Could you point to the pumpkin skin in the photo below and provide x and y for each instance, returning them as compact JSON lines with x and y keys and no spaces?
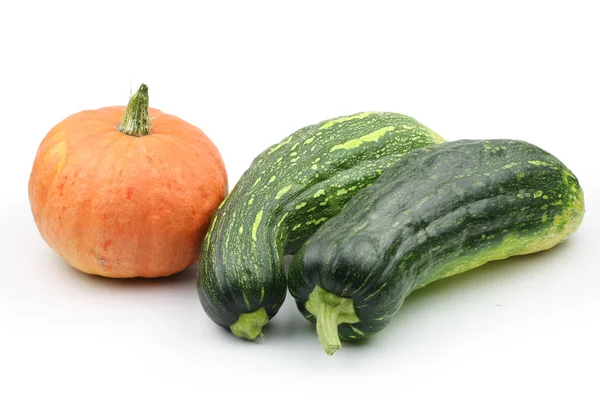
{"x":123,"y":206}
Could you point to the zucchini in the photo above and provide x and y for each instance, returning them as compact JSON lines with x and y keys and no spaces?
{"x":285,"y":195}
{"x":440,"y":211}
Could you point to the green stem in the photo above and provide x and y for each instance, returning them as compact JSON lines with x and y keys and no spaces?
{"x":136,"y":120}
{"x":327,"y":323}
{"x":249,"y":325}
{"x":330,"y":310}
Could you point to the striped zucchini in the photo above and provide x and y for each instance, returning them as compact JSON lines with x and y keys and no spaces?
{"x":286,"y":194}
{"x":440,"y":211}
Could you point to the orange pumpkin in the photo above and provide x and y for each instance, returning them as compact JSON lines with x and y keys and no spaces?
{"x":126,"y":192}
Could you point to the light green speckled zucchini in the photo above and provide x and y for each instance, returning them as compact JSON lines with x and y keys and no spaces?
{"x":286,"y":194}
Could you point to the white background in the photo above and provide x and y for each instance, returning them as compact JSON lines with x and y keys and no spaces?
{"x":248,"y":74}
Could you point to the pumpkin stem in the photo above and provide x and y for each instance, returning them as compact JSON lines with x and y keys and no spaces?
{"x":330,"y":311}
{"x":136,"y":120}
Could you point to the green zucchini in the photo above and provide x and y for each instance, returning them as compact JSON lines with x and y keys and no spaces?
{"x":440,"y":211}
{"x":285,"y":195}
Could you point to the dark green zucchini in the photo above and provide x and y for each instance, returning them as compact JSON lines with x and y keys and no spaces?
{"x":441,"y":210}
{"x":284,"y":196}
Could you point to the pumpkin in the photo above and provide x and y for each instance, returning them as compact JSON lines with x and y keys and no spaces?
{"x":126,"y":192}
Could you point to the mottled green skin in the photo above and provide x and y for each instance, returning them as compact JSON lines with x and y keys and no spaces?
{"x":286,"y":194}
{"x":440,"y":211}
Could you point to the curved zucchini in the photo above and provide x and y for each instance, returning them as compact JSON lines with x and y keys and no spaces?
{"x":285,"y":195}
{"x":440,"y":211}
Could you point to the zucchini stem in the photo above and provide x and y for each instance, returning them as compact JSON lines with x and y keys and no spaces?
{"x":136,"y":120}
{"x":330,"y":310}
{"x":249,"y":325}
